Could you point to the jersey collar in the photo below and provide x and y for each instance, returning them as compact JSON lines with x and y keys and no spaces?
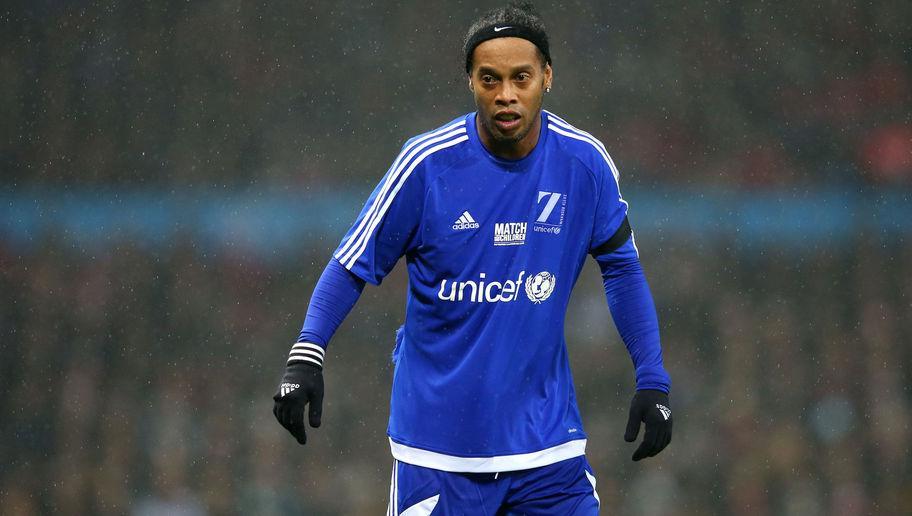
{"x":511,"y":164}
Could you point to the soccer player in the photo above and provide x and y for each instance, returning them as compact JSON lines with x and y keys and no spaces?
{"x":495,"y":213}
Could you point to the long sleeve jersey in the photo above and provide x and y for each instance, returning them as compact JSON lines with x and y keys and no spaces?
{"x":493,"y":247}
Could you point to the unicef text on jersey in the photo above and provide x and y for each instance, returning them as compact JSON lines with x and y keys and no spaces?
{"x":537,"y":287}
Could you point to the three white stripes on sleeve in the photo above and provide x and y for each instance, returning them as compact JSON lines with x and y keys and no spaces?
{"x":306,"y":352}
{"x":352,"y":249}
{"x":402,"y":168}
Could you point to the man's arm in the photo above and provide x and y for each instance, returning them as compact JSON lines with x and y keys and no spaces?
{"x":334,"y":295}
{"x":634,"y":314}
{"x":384,"y":231}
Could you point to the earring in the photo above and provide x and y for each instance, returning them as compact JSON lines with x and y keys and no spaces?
{"x":548,"y":89}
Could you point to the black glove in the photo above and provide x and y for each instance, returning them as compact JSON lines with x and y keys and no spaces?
{"x":652,"y":408}
{"x":301,"y":385}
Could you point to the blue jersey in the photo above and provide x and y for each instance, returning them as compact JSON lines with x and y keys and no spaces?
{"x":482,"y":381}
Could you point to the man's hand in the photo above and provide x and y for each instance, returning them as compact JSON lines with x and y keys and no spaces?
{"x":301,"y":385}
{"x":652,"y":408}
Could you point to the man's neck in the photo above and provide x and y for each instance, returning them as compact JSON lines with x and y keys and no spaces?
{"x":510,"y":150}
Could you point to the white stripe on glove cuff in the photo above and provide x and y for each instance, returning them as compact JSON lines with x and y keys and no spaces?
{"x":306,"y":352}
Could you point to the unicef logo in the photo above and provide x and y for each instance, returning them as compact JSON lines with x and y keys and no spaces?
{"x":540,"y":286}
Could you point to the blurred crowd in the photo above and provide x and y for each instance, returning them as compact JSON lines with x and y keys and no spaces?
{"x":196,"y":94}
{"x":140,"y":382}
{"x":136,"y":377}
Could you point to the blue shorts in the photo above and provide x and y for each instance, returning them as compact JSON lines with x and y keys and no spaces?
{"x":563,"y":488}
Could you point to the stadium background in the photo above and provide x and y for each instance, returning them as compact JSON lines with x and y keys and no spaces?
{"x":176,"y":174}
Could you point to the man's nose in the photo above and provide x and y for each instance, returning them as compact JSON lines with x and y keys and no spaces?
{"x":506,"y":95}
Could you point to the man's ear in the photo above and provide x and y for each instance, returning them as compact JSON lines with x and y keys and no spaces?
{"x":471,"y":86}
{"x":549,"y":76}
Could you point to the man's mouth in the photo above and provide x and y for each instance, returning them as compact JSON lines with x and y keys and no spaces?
{"x":507,"y":120}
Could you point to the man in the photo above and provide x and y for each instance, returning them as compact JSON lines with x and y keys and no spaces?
{"x":495,"y":213}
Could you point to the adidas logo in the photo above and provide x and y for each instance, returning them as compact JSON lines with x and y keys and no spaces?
{"x":666,"y":412}
{"x":287,"y":388}
{"x":465,"y":221}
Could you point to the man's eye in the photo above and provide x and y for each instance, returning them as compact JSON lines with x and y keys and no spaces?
{"x":487,"y":79}
{"x":523,"y":76}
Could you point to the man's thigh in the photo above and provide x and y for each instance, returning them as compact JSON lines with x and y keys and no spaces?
{"x":565,"y":488}
{"x":419,"y":491}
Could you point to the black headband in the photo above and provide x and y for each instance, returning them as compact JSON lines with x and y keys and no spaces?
{"x":506,"y":30}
